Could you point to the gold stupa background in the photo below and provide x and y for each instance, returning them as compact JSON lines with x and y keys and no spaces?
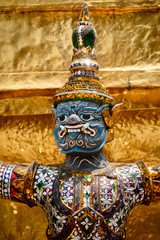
{"x":35,"y":52}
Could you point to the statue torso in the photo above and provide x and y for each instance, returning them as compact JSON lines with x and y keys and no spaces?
{"x":88,"y":205}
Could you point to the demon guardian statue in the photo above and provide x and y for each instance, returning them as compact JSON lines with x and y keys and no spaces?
{"x":86,"y":197}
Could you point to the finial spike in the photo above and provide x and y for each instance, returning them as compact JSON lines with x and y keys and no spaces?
{"x":84,"y":15}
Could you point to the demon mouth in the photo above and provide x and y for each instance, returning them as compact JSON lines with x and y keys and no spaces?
{"x":77,"y":128}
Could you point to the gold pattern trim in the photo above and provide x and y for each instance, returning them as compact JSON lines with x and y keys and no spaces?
{"x":82,"y":96}
{"x":101,"y":232}
{"x":91,"y":196}
{"x":71,"y":234}
{"x":73,"y":202}
{"x":154,"y":170}
{"x":81,"y":198}
{"x":84,"y":68}
{"x":28,"y":184}
{"x":91,"y":201}
{"x":18,"y":183}
{"x":122,"y":234}
{"x":147,"y":181}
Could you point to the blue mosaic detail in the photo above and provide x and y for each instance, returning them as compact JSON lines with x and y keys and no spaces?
{"x":6,"y":181}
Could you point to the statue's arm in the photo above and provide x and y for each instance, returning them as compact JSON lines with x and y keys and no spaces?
{"x":151,"y":178}
{"x":16,"y":182}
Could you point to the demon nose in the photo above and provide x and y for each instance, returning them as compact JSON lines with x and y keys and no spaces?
{"x":73,"y":119}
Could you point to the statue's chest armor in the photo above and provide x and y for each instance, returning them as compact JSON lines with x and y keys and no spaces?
{"x":93,"y":206}
{"x":96,"y":192}
{"x":88,"y":201}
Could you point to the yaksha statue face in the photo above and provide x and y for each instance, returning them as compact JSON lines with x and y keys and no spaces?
{"x":79,"y":126}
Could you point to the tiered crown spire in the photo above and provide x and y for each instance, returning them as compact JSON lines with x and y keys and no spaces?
{"x":83,"y":84}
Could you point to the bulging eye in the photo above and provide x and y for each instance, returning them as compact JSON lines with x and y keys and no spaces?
{"x":86,"y":117}
{"x":62,"y":118}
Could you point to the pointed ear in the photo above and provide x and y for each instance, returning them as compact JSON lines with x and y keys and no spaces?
{"x":112,"y":114}
{"x":116,"y":113}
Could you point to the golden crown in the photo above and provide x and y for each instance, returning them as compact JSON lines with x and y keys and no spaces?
{"x":83,"y":83}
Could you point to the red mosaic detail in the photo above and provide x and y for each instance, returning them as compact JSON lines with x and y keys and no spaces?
{"x":14,"y":177}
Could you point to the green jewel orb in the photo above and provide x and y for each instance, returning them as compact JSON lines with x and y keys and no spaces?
{"x":87,"y":34}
